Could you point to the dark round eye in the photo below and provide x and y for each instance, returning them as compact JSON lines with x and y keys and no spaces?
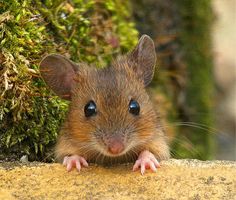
{"x":90,"y":109}
{"x":134,"y":107}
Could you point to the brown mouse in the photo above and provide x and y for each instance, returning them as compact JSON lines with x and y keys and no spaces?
{"x":110,"y":118}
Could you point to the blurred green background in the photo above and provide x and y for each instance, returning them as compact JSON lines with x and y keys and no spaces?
{"x":95,"y":31}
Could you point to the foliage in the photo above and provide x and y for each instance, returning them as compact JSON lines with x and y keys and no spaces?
{"x":195,"y":38}
{"x":84,"y":30}
{"x":183,"y":83}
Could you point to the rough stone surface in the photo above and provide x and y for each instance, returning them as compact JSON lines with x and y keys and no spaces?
{"x":176,"y":179}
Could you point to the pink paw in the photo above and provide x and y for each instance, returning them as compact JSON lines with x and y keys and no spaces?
{"x":146,"y":160}
{"x":74,"y":161}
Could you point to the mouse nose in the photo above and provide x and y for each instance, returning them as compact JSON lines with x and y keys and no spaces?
{"x":115,"y":147}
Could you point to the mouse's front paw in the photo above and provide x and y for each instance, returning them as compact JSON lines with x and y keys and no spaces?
{"x":74,"y":161}
{"x":146,"y":160}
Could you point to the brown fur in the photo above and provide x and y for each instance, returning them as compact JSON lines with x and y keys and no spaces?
{"x":111,"y":89}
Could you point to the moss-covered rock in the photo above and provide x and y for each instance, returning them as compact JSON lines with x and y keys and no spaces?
{"x":90,"y":31}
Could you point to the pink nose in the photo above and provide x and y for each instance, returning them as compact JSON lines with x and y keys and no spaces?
{"x":115,"y":147}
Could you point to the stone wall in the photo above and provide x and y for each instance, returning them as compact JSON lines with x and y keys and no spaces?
{"x":176,"y":179}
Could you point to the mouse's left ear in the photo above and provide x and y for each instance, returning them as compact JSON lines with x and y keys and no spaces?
{"x":144,"y":59}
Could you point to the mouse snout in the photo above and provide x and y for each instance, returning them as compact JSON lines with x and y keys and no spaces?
{"x":115,"y":146}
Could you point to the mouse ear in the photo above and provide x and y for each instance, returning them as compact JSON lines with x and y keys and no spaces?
{"x":58,"y":72}
{"x":144,"y":57}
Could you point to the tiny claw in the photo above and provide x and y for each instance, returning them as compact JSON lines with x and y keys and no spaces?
{"x":146,"y":160}
{"x":153,"y":167}
{"x":156,"y":163}
{"x":69,"y":166}
{"x":136,"y":165}
{"x":78,"y":166}
{"x":74,"y":161}
{"x":65,"y":160}
{"x":143,"y":168}
{"x":84,"y":162}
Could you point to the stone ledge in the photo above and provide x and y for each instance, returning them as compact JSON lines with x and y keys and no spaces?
{"x":176,"y":179}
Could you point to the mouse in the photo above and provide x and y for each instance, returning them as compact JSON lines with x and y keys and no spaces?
{"x":110,"y":118}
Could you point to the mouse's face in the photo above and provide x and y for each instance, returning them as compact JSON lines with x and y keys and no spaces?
{"x":110,"y":111}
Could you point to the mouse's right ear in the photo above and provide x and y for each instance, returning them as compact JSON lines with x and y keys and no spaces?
{"x":59,"y":72}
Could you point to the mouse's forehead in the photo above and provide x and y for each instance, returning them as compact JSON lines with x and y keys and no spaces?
{"x":107,"y":85}
{"x":115,"y":82}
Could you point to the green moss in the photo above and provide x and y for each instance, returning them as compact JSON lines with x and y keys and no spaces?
{"x":30,"y":114}
{"x":196,"y":20}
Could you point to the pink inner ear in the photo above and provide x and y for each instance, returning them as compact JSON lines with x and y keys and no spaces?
{"x":69,"y":80}
{"x":66,"y":82}
{"x":59,"y":73}
{"x":145,"y":57}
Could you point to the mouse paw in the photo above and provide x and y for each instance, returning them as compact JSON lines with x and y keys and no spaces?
{"x":146,"y":160}
{"x":74,"y":161}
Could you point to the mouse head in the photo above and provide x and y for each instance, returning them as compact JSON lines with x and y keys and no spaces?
{"x":110,"y":112}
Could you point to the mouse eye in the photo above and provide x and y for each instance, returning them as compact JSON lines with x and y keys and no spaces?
{"x":134,"y":107}
{"x":90,"y":109}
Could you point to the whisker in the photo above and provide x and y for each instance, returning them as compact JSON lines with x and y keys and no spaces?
{"x":199,"y":127}
{"x":195,"y":125}
{"x":133,"y":154}
{"x":98,"y":155}
{"x":50,"y":155}
{"x":103,"y":157}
